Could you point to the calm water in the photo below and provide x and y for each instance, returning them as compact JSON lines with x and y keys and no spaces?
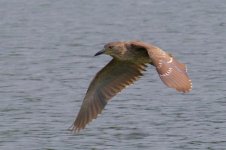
{"x":46,"y":64}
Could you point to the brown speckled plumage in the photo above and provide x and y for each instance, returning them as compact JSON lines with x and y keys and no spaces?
{"x":130,"y":59}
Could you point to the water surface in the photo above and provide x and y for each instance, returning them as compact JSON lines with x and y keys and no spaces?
{"x":46,"y":64}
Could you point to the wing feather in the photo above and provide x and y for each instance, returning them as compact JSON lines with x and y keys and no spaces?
{"x":172,"y":72}
{"x":110,"y":80}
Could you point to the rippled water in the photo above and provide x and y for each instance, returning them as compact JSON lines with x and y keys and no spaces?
{"x":46,"y":64}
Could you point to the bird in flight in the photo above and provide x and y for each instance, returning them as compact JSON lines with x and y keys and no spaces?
{"x":130,"y":60}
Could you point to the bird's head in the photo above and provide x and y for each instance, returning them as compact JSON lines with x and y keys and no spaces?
{"x":114,"y":49}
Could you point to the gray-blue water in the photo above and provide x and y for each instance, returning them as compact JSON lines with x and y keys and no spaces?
{"x":46,"y":64}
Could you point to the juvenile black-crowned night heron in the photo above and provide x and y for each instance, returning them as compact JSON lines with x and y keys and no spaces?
{"x":130,"y":59}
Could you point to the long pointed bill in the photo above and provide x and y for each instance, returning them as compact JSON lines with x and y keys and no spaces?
{"x":100,"y":52}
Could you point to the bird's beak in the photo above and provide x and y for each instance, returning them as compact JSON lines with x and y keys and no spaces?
{"x":100,"y":52}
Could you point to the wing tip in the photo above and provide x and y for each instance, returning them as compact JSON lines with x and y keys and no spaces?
{"x":186,"y":89}
{"x":74,"y":129}
{"x":77,"y":127}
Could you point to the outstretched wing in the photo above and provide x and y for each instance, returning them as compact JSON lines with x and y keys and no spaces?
{"x":110,"y":80}
{"x":172,"y":72}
